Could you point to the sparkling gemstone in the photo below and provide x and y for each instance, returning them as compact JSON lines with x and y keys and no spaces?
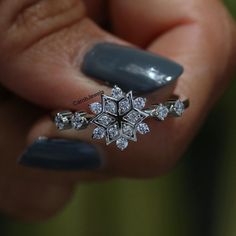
{"x":161,"y":112}
{"x":113,"y":131}
{"x":139,"y":103}
{"x":128,"y":130}
{"x":118,"y":118}
{"x":117,"y":92}
{"x":61,"y":121}
{"x":143,"y":128}
{"x":134,"y":117}
{"x":124,"y":106}
{"x":122,"y":143}
{"x":105,"y":120}
{"x":99,"y":133}
{"x":77,"y":121}
{"x":111,"y":107}
{"x":179,"y":107}
{"x":96,"y":107}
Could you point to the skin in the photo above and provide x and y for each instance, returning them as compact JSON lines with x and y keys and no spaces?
{"x":42,"y":44}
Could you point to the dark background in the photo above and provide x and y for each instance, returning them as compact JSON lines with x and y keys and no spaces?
{"x":197,"y":198}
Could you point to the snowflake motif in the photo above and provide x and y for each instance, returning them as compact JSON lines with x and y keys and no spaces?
{"x":119,"y":117}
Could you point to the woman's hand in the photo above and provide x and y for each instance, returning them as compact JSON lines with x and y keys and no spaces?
{"x":43,"y":44}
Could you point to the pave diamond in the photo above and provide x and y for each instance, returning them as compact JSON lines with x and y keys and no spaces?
{"x":122,"y":143}
{"x":127,"y":130}
{"x":96,"y":107}
{"x":124,"y":106}
{"x":110,"y":106}
{"x":77,"y":121}
{"x":139,"y":103}
{"x":179,"y":108}
{"x":161,"y":112}
{"x":143,"y":128}
{"x":99,"y":133}
{"x":117,"y":92}
{"x":113,"y":131}
{"x":134,"y":117}
{"x":105,"y":120}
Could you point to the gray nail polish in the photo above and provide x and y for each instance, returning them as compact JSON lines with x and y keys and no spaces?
{"x":130,"y":68}
{"x":61,"y":154}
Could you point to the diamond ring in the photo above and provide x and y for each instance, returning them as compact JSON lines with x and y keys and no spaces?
{"x":119,"y":117}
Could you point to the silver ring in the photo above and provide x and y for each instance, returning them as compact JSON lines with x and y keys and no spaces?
{"x":119,"y":117}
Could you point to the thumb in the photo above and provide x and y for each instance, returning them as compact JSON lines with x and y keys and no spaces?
{"x":52,"y":54}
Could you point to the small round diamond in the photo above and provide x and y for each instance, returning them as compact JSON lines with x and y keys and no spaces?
{"x":61,"y":121}
{"x":143,"y":128}
{"x":113,"y":131}
{"x":58,"y":121}
{"x":134,"y":117}
{"x":98,"y":133}
{"x":161,"y":112}
{"x":110,"y":106}
{"x":139,"y":103}
{"x":96,"y":107}
{"x":122,"y":143}
{"x":117,"y":92}
{"x":179,"y":108}
{"x":124,"y":106}
{"x":77,"y":121}
{"x":105,"y":120}
{"x":127,"y":130}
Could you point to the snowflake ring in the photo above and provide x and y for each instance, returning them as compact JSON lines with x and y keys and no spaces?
{"x":119,"y":117}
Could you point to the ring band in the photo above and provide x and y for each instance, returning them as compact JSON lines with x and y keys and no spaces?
{"x":119,"y":117}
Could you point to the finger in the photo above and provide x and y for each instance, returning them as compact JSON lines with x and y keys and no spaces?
{"x":56,"y":51}
{"x":17,"y":118}
{"x":26,"y":193}
{"x":49,"y":56}
{"x":193,"y":21}
{"x":193,"y":34}
{"x":202,"y":83}
{"x":189,"y":21}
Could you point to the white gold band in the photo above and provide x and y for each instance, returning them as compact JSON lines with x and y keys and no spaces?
{"x":119,"y":117}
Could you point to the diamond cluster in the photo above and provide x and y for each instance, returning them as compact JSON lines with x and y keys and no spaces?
{"x":68,"y":120}
{"x":119,"y":117}
{"x":161,"y":112}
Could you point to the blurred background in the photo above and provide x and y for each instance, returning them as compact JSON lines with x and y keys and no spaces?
{"x":197,"y":198}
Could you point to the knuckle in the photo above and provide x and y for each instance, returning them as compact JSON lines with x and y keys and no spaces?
{"x":39,"y":19}
{"x":42,"y":11}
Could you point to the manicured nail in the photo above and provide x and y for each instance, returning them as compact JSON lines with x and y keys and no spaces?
{"x":130,"y":68}
{"x":61,"y":154}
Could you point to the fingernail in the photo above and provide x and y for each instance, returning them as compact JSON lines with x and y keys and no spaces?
{"x":130,"y":68}
{"x":61,"y":154}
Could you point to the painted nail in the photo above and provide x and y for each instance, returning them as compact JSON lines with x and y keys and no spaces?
{"x":61,"y":154}
{"x":130,"y":68}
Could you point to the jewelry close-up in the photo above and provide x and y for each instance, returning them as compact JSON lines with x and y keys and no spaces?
{"x":119,"y":117}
